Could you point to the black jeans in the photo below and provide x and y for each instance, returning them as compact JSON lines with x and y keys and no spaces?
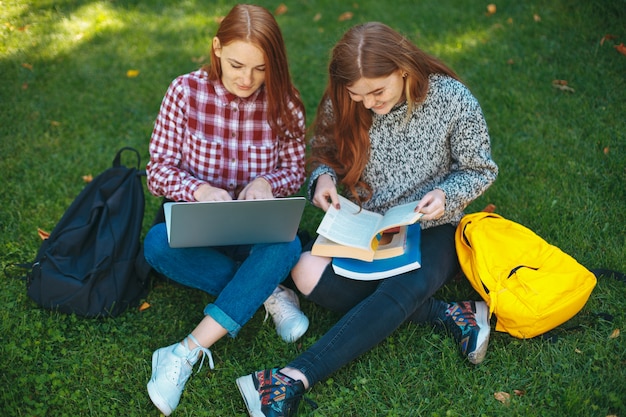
{"x":374,"y":309}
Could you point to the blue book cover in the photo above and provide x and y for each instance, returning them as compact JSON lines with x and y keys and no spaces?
{"x":383,"y":268}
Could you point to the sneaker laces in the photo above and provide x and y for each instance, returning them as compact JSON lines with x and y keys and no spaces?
{"x":194,"y":353}
{"x":464,"y":318}
{"x":281,"y":306}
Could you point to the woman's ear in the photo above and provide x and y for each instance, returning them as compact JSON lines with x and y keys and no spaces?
{"x":217,"y":47}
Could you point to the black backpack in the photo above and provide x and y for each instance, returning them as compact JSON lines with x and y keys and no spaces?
{"x":92,"y":263}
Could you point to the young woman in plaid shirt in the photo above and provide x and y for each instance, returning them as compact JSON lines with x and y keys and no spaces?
{"x":233,"y":129}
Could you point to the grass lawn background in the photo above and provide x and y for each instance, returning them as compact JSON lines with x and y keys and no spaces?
{"x":67,"y":103}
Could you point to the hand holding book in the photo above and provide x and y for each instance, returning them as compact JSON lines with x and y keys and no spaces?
{"x":353,"y":232}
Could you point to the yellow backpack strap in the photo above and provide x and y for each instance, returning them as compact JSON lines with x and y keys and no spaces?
{"x":470,"y":264}
{"x":609,"y":273}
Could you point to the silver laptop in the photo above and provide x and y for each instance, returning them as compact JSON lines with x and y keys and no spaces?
{"x":237,"y":222}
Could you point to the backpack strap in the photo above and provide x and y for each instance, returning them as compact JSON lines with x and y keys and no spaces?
{"x":118,"y":156}
{"x":620,"y":276}
{"x":11,"y":270}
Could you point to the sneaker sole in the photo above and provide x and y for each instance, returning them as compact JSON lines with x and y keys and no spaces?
{"x":482,"y":318}
{"x":250,"y":396}
{"x":297,"y":333}
{"x":155,"y":397}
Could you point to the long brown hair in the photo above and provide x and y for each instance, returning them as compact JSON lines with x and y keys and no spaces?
{"x":370,"y":50}
{"x":256,"y":25}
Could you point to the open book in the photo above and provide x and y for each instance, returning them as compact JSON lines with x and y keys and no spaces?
{"x":383,"y":268}
{"x":352,"y":232}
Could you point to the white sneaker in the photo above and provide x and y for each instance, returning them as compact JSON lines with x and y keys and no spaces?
{"x":171,"y":368}
{"x":283,"y":305}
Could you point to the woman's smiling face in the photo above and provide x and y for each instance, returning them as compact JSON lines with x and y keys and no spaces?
{"x":243,"y":67}
{"x":378,"y":94}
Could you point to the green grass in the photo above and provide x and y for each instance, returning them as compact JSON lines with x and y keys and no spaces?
{"x":66,"y":106}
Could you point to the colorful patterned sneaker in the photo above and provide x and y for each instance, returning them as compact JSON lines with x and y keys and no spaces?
{"x":269,"y":393}
{"x":468,"y":321}
{"x":171,"y":367}
{"x":283,"y":305}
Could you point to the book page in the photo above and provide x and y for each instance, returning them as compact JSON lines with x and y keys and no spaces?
{"x":401,"y":215}
{"x":350,"y":226}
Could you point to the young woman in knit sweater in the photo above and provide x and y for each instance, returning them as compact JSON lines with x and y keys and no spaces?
{"x":395,"y":125}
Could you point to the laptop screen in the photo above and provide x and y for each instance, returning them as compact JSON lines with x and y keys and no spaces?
{"x":236,"y":222}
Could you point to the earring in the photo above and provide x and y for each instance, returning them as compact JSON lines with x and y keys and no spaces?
{"x":405,"y":74}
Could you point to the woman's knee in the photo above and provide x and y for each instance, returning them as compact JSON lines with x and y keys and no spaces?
{"x":307,"y":272}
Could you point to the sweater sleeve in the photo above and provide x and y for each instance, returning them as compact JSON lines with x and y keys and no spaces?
{"x":472,"y":169}
{"x":318,"y":172}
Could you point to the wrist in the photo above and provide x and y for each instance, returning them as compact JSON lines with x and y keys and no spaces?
{"x":266,"y":183}
{"x":200,"y":191}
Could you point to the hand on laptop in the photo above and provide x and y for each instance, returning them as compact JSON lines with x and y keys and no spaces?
{"x":258,"y":189}
{"x":207,"y":192}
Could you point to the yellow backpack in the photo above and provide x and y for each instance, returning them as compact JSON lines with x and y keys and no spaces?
{"x":530,"y":285}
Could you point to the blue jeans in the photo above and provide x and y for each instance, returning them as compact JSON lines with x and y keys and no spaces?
{"x":241,"y":277}
{"x":374,"y":309}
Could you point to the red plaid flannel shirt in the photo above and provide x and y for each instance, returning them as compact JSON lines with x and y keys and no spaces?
{"x":204,"y":134}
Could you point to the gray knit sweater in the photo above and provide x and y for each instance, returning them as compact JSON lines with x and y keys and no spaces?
{"x":445,"y":144}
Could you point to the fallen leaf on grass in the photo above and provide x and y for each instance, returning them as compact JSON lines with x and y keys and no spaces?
{"x":503,"y":397}
{"x":25,"y":86}
{"x":132,"y":73}
{"x":27,"y":66}
{"x":606,"y":38}
{"x":281,"y":9}
{"x":490,"y":208}
{"x":606,"y":150}
{"x":565,"y":88}
{"x":621,"y":48}
{"x":144,"y":306}
{"x":614,"y":334}
{"x":519,"y":392}
{"x":55,"y":123}
{"x":199,"y":59}
{"x":43,"y":234}
{"x":345,"y":16}
{"x":491,"y":9}
{"x":88,"y":178}
{"x":536,"y":18}
{"x":317,"y":17}
{"x":562,"y":85}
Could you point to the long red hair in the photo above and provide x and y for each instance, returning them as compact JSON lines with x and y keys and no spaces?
{"x":370,"y":50}
{"x":256,"y":25}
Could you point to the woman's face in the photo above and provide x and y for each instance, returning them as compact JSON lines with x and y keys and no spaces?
{"x":378,"y":94}
{"x":243,"y":67}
